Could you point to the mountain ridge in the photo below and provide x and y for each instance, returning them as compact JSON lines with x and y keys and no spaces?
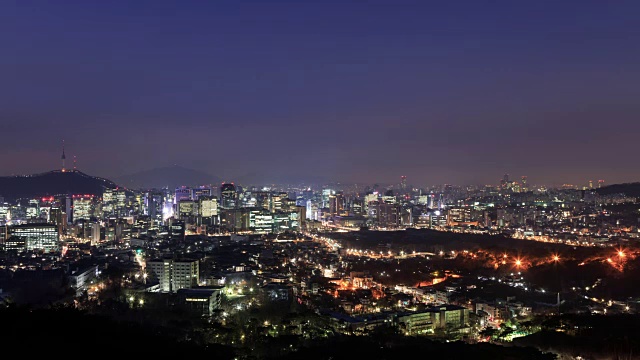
{"x":53,"y":183}
{"x":167,"y":177}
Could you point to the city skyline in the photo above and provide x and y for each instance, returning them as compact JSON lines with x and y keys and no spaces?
{"x":177,"y":176}
{"x":284,"y":180}
{"x":440,"y":93}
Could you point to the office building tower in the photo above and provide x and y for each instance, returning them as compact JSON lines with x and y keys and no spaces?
{"x":174,"y":274}
{"x":187,"y":209}
{"x":196,"y":193}
{"x":261,"y":221}
{"x":326,"y":194}
{"x":59,"y":218}
{"x":228,"y":196}
{"x":505,"y":181}
{"x":82,"y":207}
{"x":388,"y":214}
{"x":183,"y":193}
{"x":33,"y":209}
{"x":208,"y":206}
{"x":276,"y":201}
{"x":177,"y":230}
{"x":68,"y":209}
{"x":337,"y":204}
{"x":35,"y":237}
{"x":3,"y":236}
{"x":95,"y":233}
{"x":5,"y":213}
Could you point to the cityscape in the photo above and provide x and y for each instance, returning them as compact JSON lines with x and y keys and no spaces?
{"x":320,"y":180}
{"x":268,"y":271}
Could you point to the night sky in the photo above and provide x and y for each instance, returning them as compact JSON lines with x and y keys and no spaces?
{"x":456,"y":92}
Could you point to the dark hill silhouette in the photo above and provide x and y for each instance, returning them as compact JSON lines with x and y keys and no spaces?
{"x":52,"y":183}
{"x":629,"y":189}
{"x":170,"y":176}
{"x":98,"y":334}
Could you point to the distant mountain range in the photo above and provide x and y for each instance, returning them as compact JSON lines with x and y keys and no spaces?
{"x":52,"y":183}
{"x":629,"y":189}
{"x":266,"y":179}
{"x":170,"y":176}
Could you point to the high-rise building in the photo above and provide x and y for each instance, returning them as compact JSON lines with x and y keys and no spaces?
{"x":33,"y":209}
{"x":153,"y":202}
{"x":108,"y":201}
{"x":3,"y":236}
{"x":326,"y":193}
{"x":187,"y":209}
{"x":183,"y":193}
{"x":403,"y":183}
{"x":276,"y":201}
{"x":337,"y":204}
{"x":35,"y":237}
{"x":177,"y":230}
{"x":261,"y":221}
{"x":95,"y":233}
{"x":371,"y":197}
{"x":196,"y":193}
{"x":82,"y":207}
{"x":505,"y":181}
{"x":600,"y":183}
{"x":174,"y":274}
{"x":5,"y":214}
{"x":228,"y":196}
{"x":388,"y":215}
{"x":208,"y":206}
{"x":312,"y":210}
{"x":59,"y":218}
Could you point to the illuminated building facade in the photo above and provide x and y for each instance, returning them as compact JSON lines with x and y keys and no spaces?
{"x":82,"y":207}
{"x":228,"y":196}
{"x":187,"y":209}
{"x":35,"y":237}
{"x":198,"y":192}
{"x":174,"y":274}
{"x":202,"y":301}
{"x":207,"y":207}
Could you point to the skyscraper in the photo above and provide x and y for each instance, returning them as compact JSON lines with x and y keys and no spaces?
{"x":505,"y":181}
{"x":228,"y":196}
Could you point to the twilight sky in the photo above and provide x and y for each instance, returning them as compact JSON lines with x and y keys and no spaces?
{"x":440,"y":91}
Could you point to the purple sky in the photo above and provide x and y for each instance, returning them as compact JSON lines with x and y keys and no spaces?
{"x":442,"y":92}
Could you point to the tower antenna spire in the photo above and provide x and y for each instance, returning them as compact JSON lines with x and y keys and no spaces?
{"x":63,"y":156}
